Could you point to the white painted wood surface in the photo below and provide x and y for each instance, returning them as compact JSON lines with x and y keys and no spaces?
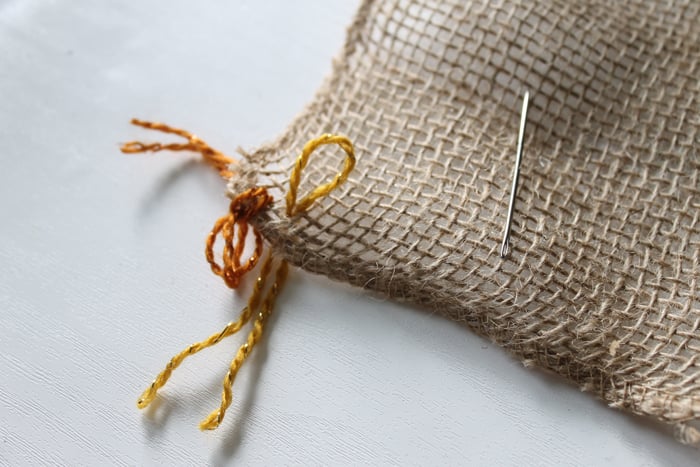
{"x":102,"y":275}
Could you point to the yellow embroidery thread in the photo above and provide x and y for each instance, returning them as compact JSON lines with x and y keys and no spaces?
{"x":231,"y":328}
{"x":241,"y":210}
{"x":294,"y":207}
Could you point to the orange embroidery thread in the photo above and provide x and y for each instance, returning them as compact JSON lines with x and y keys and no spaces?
{"x":210,"y":155}
{"x":245,"y":206}
{"x":241,"y":210}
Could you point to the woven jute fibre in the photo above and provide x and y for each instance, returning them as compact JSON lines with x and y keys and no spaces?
{"x":603,"y":282}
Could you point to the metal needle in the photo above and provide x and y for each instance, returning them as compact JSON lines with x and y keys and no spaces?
{"x":505,"y":246}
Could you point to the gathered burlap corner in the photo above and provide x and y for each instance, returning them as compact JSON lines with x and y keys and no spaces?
{"x":603,"y":282}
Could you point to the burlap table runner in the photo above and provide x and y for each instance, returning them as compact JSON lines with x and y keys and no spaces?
{"x":603,"y":282}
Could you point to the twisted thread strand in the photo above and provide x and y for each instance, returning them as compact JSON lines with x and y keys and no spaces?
{"x":210,"y":155}
{"x":215,"y":417}
{"x":231,"y":328}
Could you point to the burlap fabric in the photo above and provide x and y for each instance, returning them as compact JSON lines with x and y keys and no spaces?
{"x":603,"y":282}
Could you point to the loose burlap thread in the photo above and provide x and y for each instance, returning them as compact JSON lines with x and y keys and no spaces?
{"x":602,"y":285}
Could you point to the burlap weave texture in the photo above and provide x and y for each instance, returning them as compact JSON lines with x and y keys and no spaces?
{"x":603,"y":282}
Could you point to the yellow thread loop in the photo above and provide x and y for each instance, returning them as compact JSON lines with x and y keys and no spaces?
{"x":294,"y":207}
{"x":241,"y":210}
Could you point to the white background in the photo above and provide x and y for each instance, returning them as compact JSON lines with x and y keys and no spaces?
{"x":103,"y":279}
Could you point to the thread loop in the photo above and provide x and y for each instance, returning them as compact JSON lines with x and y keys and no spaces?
{"x":241,"y":210}
{"x":294,"y":207}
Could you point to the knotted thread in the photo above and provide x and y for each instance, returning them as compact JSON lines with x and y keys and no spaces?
{"x":241,"y":210}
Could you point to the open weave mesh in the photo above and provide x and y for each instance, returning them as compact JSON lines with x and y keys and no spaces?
{"x":603,"y":282}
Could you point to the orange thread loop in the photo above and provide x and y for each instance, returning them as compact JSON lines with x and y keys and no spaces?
{"x":241,"y":210}
{"x":210,"y":155}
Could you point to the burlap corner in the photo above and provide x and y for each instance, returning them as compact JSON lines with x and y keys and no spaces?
{"x":603,"y":283}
